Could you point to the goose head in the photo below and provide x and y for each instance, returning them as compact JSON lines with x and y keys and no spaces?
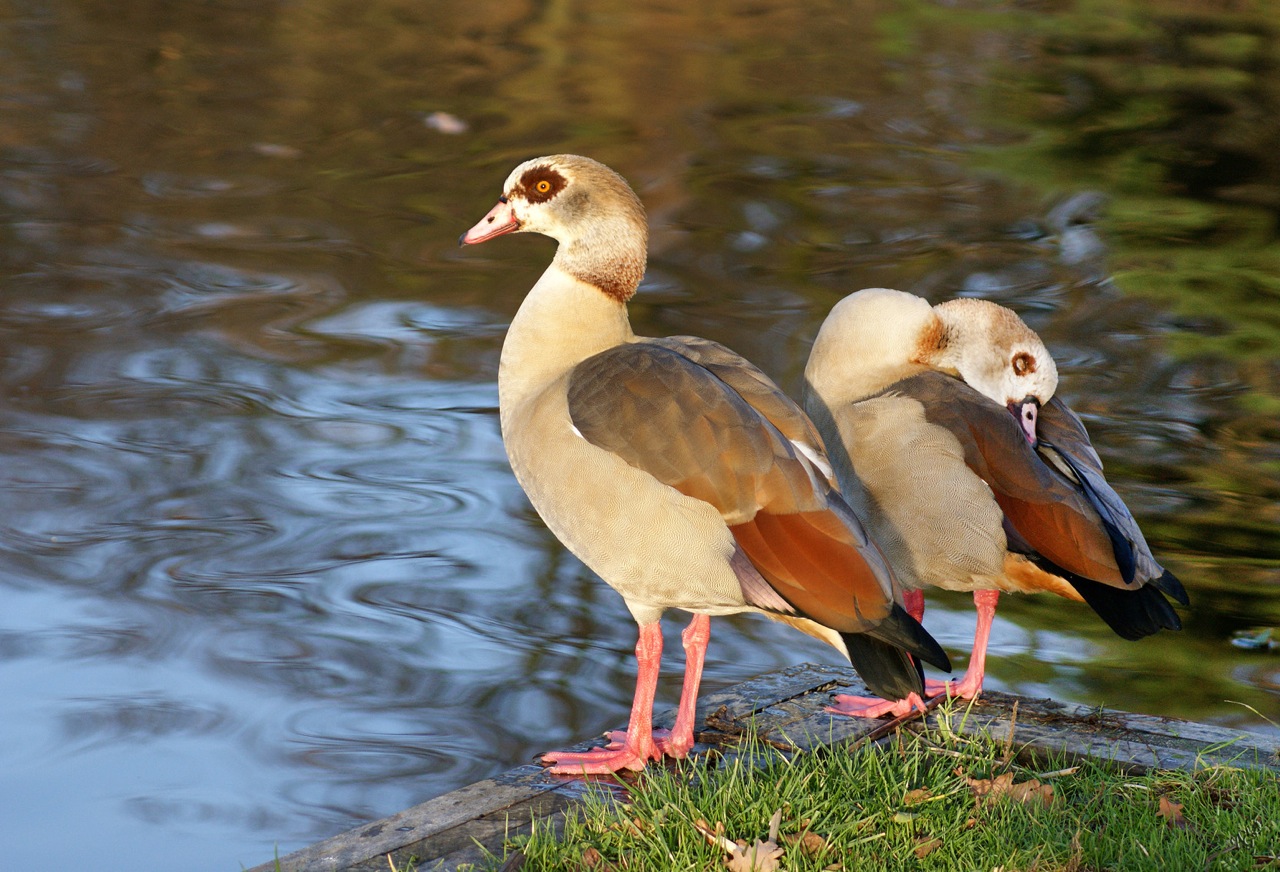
{"x":868,"y":340}
{"x":586,"y":207}
{"x":998,"y":355}
{"x":877,"y":336}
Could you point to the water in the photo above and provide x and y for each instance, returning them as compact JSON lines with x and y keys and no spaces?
{"x":265,"y":573}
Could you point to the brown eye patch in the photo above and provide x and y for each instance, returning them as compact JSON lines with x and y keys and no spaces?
{"x":540,"y":184}
{"x":1023,"y":363}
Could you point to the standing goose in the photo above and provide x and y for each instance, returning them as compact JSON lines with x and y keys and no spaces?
{"x":673,"y":468}
{"x":945,"y":436}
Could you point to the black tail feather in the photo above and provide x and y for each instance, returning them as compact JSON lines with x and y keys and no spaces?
{"x":883,"y":658}
{"x":904,"y":631}
{"x":1133,"y":614}
{"x":1169,"y":584}
{"x":888,"y":671}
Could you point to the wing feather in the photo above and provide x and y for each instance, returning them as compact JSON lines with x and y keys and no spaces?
{"x":1048,"y":510}
{"x":690,"y":425}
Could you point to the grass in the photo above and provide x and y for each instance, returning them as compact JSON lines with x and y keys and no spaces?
{"x":930,"y":799}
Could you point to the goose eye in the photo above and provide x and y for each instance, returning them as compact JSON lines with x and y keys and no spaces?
{"x":542,"y":187}
{"x":1023,"y":363}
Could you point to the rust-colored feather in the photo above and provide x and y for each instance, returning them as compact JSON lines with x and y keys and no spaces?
{"x":1067,"y":538}
{"x":1049,"y":511}
{"x":812,"y":560}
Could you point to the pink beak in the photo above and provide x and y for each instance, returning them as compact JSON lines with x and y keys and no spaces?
{"x":501,"y":219}
{"x":1027,"y":412}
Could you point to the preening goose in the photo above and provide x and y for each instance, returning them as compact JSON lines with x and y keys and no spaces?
{"x":946,"y":438}
{"x":673,"y":468}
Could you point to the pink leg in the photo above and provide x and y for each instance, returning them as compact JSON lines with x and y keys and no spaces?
{"x":874,"y":707}
{"x":696,"y":636}
{"x":638,"y":747}
{"x":971,"y":685}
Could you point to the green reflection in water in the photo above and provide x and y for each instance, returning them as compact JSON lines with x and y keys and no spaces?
{"x":1171,"y":112}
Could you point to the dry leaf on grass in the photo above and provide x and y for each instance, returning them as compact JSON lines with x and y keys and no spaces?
{"x":594,"y":861}
{"x":925,"y":847}
{"x":760,"y":857}
{"x":1172,"y":813}
{"x":1026,"y":792}
{"x":763,"y":856}
{"x":810,"y":844}
{"x":919,"y":795}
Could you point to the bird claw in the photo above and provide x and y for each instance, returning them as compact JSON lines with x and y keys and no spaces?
{"x":965,"y":688}
{"x":874,"y":707}
{"x":668,"y":745}
{"x":600,"y":761}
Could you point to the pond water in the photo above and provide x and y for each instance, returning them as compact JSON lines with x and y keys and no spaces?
{"x":264,"y":571}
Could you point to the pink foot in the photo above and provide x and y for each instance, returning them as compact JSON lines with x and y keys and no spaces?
{"x":662,"y":738}
{"x":600,"y":761}
{"x":639,"y":743}
{"x":966,"y":688}
{"x":874,"y":707}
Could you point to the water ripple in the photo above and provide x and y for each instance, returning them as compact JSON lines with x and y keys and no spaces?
{"x":172,"y":186}
{"x":94,"y":722}
{"x":282,"y":233}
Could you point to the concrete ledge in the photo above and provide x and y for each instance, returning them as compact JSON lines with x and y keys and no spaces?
{"x":787,"y":708}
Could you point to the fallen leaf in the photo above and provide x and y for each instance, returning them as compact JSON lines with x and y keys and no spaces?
{"x":809,"y":844}
{"x":1172,"y":813}
{"x":925,"y":848}
{"x":592,"y":859}
{"x":1030,"y":792}
{"x":763,"y":856}
{"x":990,"y":786}
{"x":919,"y":795}
{"x":760,"y":857}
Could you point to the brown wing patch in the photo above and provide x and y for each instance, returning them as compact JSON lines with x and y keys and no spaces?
{"x":666,"y":415}
{"x":932,"y":339}
{"x":750,"y":383}
{"x":1048,"y":510}
{"x":812,"y":560}
{"x":1065,"y":535}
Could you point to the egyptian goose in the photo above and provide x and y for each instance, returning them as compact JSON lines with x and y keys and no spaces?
{"x":673,"y":468}
{"x":946,"y":438}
